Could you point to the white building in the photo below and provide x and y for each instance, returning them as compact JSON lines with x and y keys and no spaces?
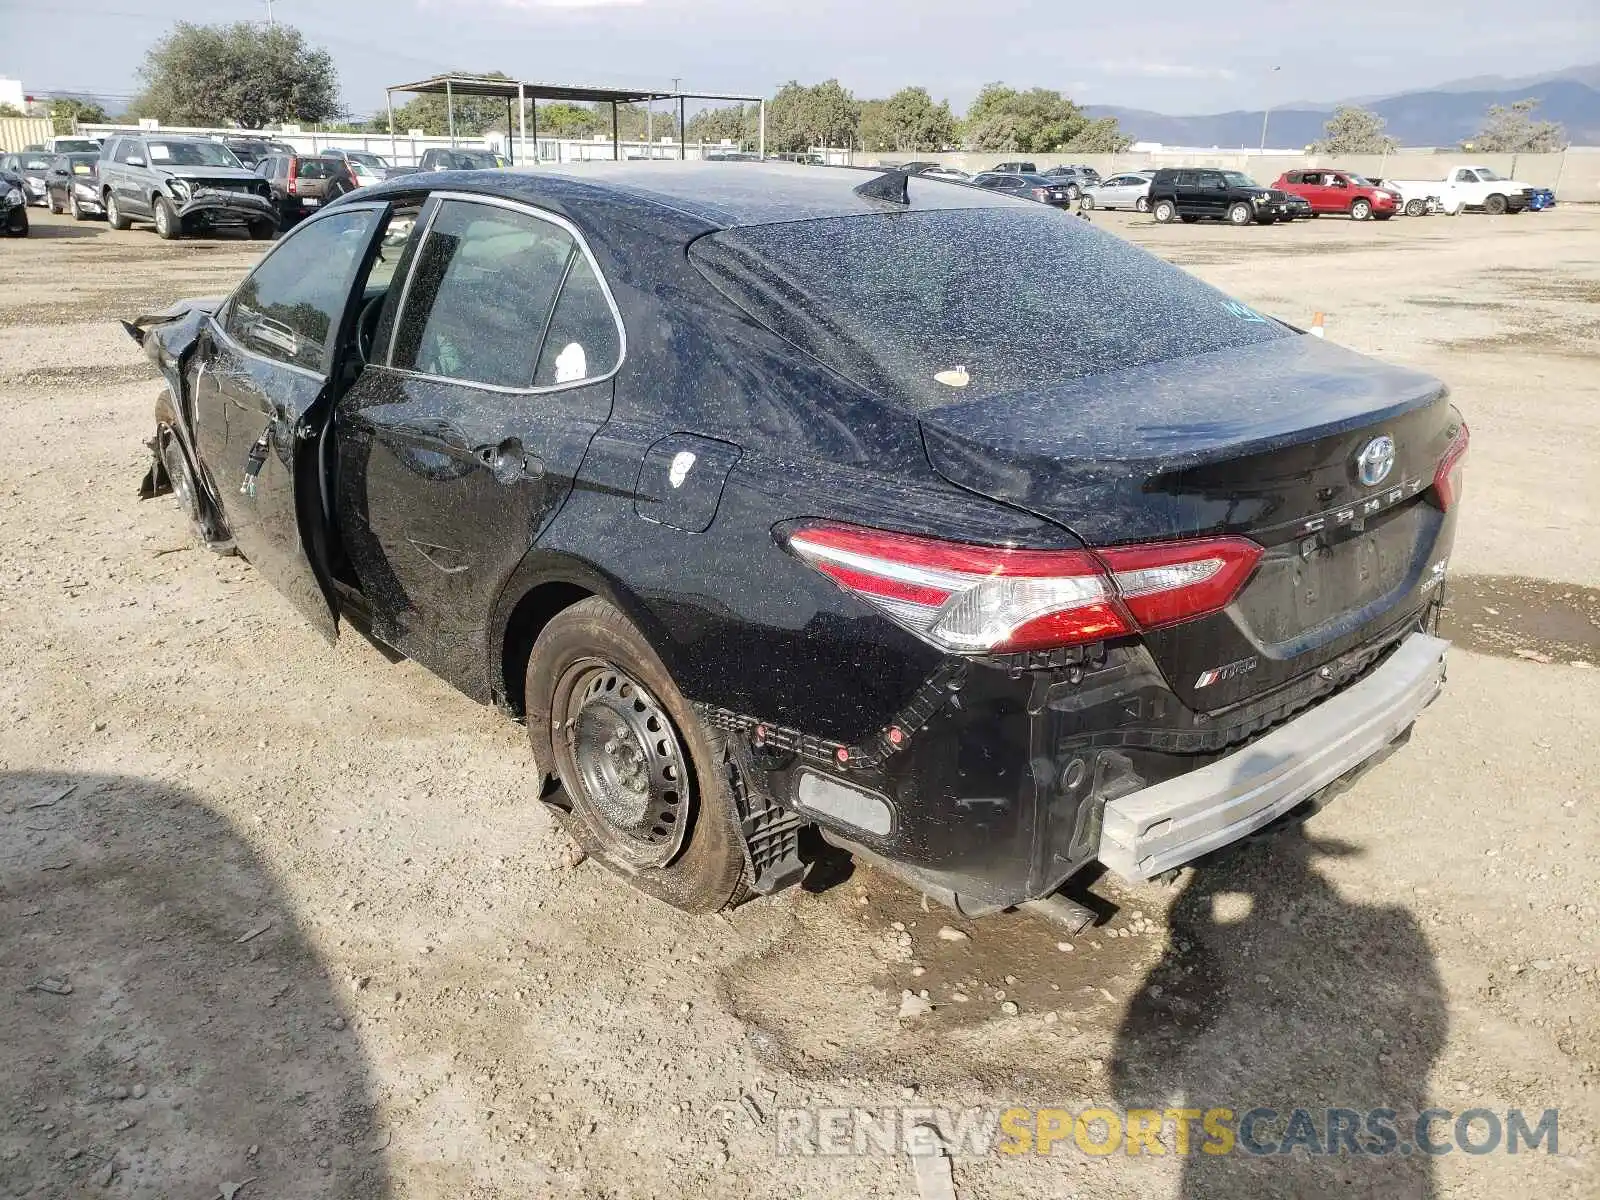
{"x":11,"y":93}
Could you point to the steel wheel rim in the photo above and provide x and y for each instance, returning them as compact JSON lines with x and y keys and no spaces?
{"x":629,"y":761}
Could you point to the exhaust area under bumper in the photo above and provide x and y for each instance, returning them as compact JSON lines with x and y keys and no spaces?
{"x":1168,"y":824}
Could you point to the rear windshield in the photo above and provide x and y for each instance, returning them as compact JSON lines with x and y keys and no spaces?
{"x":318,"y":168}
{"x":893,"y":300}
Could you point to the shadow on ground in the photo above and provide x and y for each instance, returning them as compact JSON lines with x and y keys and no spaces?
{"x":1277,"y":992}
{"x":167,"y":1024}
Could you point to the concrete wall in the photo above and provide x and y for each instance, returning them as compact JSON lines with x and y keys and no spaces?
{"x":17,"y":132}
{"x":1574,"y":174}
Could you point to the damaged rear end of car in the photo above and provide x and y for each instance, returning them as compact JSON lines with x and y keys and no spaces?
{"x":1251,"y":527}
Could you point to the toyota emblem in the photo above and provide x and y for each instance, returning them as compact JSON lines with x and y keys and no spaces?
{"x":1375,"y":461}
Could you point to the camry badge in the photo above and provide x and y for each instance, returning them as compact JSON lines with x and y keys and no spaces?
{"x":1375,"y":461}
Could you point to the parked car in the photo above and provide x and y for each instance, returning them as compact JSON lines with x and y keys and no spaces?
{"x":182,"y":185}
{"x":1415,"y":199}
{"x":32,"y":167}
{"x":884,"y":578}
{"x":1298,"y":208}
{"x":364,"y":166}
{"x":1076,"y":179}
{"x":1342,"y":192}
{"x":302,"y":183}
{"x":444,"y":159}
{"x":1470,"y":186}
{"x":252,"y":151}
{"x":1201,"y":193}
{"x":1012,"y":168}
{"x":13,"y":202}
{"x":72,"y":145}
{"x":1130,"y":190}
{"x":1028,"y":187}
{"x":954,"y":174}
{"x":73,"y":185}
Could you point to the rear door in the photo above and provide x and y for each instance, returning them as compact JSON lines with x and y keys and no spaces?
{"x":464,"y":435}
{"x":261,"y":394}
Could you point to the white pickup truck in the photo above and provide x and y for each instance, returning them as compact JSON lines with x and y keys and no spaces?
{"x":1465,"y":185}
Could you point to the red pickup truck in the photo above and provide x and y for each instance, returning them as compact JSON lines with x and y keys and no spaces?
{"x":1340,"y":192}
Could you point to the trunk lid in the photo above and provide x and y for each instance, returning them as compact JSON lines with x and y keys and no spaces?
{"x":1263,"y":440}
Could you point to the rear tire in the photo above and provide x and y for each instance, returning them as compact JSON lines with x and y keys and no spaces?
{"x":168,"y":227}
{"x":114,"y":214}
{"x":1086,"y":204}
{"x":1142,"y":204}
{"x":263,"y":231}
{"x":1495,"y":204}
{"x":1164,"y":211}
{"x":1189,"y":219}
{"x":648,"y":783}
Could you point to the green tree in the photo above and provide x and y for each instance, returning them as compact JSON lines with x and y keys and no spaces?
{"x":1038,"y":121}
{"x":909,"y":120}
{"x":1512,"y":130}
{"x":737,"y":123}
{"x":244,"y":74}
{"x":1354,"y":130}
{"x":68,"y":112}
{"x":799,"y":117}
{"x":1100,"y":136}
{"x":10,"y":110}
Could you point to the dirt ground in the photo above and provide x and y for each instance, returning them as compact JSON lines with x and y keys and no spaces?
{"x":276,"y":913}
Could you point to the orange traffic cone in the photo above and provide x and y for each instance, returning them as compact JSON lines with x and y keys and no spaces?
{"x":1317,"y":325}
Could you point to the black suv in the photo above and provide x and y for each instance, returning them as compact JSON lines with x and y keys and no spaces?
{"x":181,"y":184}
{"x":1190,"y":193}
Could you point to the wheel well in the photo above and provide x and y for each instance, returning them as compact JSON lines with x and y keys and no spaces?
{"x":532,"y":613}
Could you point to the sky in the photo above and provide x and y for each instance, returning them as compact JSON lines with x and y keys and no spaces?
{"x":1173,"y":56}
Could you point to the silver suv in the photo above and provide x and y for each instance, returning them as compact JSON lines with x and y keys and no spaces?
{"x":181,"y":184}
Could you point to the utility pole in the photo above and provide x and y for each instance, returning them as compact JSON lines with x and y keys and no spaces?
{"x":270,"y":22}
{"x":1266,"y":112}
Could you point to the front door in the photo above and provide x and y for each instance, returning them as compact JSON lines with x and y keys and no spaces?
{"x":1212,"y":194}
{"x":262,"y":388}
{"x":460,"y":442}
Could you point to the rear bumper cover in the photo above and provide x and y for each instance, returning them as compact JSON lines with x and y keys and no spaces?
{"x":1164,"y":826}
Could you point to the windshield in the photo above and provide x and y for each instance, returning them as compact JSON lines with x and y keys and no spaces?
{"x":892,"y":300}
{"x":473,"y":160}
{"x":1239,"y":179}
{"x":366,"y":160}
{"x":191,"y":154}
{"x":1488,"y":176}
{"x":76,"y":145}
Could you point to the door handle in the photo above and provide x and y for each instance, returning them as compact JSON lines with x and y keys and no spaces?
{"x":509,"y":463}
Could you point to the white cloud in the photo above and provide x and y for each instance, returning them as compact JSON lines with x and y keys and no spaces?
{"x":1163,"y":70}
{"x":569,"y":4}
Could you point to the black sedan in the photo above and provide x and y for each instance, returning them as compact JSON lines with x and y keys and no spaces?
{"x":1027,"y":187}
{"x":772,"y":497}
{"x":73,"y":186}
{"x":13,"y":204}
{"x":32,"y":169}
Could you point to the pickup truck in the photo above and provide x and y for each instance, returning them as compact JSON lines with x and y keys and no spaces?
{"x":1466,"y":185}
{"x":445,"y":159}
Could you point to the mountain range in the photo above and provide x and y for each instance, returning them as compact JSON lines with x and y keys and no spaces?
{"x":1439,"y":116}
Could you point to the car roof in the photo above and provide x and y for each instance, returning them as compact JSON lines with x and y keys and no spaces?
{"x":720,"y":194}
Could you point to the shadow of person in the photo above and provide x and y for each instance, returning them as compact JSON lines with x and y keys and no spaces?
{"x":168,"y":1026}
{"x":1276,"y":992}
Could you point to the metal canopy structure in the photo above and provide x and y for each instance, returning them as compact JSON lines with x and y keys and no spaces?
{"x":519,"y":91}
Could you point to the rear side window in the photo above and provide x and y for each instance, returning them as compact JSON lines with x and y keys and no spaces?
{"x":891,"y":300}
{"x":482,"y":301}
{"x":287,"y":308}
{"x":582,"y":342}
{"x":126,"y":149}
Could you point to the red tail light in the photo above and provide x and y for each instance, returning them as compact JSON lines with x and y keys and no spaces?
{"x":985,"y":600}
{"x":294,"y":173}
{"x":1447,"y":480}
